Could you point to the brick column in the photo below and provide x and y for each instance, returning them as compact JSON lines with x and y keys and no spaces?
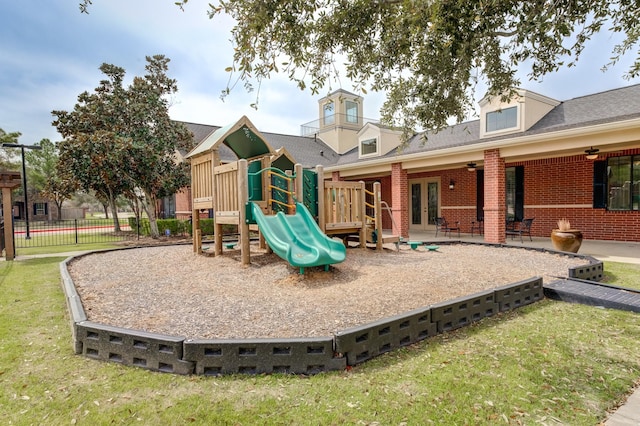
{"x":400,"y":200}
{"x":495,"y":202}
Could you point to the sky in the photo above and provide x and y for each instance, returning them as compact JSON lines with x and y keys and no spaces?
{"x":50,"y":53}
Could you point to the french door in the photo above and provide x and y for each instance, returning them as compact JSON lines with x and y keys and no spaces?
{"x":424,"y":203}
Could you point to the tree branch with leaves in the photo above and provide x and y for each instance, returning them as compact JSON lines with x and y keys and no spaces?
{"x":427,"y":56}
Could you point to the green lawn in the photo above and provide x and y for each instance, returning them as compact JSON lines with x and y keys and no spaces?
{"x":549,"y":363}
{"x":31,"y":251}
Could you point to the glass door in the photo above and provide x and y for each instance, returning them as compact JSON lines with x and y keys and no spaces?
{"x":424,"y":196}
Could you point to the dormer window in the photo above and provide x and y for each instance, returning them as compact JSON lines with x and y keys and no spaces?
{"x":502,"y":119}
{"x":329,"y":113}
{"x":368,"y":147}
{"x":351,"y":109}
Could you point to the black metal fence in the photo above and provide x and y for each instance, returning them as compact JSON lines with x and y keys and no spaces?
{"x":75,"y":231}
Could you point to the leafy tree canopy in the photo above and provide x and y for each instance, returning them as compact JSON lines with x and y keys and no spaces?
{"x":120,"y":140}
{"x":427,"y":55}
{"x":47,"y":177}
{"x":8,"y":156}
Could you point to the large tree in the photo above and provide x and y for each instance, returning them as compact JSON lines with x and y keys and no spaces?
{"x":120,"y":140}
{"x":427,"y":55}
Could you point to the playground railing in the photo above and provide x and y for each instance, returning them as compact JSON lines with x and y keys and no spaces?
{"x":226,"y":191}
{"x":202,"y":182}
{"x":344,"y":205}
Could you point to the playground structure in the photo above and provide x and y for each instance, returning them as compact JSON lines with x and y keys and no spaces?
{"x":296,"y":212}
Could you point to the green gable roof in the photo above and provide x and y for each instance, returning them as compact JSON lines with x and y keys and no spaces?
{"x":241,"y":137}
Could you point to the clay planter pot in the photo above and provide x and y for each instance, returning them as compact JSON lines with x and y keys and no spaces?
{"x":566,"y":240}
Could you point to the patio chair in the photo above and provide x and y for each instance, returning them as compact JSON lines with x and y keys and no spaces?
{"x":443,"y":226}
{"x":477,"y":226}
{"x":523,"y":229}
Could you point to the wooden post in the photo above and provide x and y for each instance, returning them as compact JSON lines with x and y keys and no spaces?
{"x":195,"y":213}
{"x":243,"y":199}
{"x":377,"y":206}
{"x":290,"y":190}
{"x":8,"y":182}
{"x":363,"y":215}
{"x":298,"y":183}
{"x":215,"y":187}
{"x":320,"y":198}
{"x":8,"y":224}
{"x":266,"y":182}
{"x":196,"y":231}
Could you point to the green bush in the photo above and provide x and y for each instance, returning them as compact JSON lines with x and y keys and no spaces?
{"x":180,"y":227}
{"x":174,"y":226}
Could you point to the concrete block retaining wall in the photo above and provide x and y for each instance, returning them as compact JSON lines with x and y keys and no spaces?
{"x":174,"y":354}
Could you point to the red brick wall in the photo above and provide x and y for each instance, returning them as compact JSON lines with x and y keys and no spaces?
{"x":554,"y":188}
{"x":458,"y":204}
{"x":494,"y":197}
{"x":563,"y":188}
{"x":400,"y":199}
{"x":183,"y":204}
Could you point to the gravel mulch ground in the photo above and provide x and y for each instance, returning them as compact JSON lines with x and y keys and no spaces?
{"x":171,"y":290}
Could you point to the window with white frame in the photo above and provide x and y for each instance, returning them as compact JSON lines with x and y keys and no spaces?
{"x":329,"y":113}
{"x":352,"y":111}
{"x":39,"y":209}
{"x":502,"y":119}
{"x":369,"y":146}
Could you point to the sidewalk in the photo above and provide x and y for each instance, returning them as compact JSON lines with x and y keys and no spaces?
{"x":611,"y":251}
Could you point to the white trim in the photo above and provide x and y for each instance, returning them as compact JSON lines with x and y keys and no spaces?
{"x":458,"y":207}
{"x":469,"y":150}
{"x":560,"y":206}
{"x":376,"y":153}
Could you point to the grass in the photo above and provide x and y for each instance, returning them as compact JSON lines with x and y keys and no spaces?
{"x":622,"y":274}
{"x":549,"y":363}
{"x":31,"y":251}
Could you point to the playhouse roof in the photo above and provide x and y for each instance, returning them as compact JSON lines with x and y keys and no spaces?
{"x":241,"y":137}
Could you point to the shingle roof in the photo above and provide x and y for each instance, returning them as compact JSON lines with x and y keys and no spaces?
{"x":599,"y":108}
{"x":308,"y":151}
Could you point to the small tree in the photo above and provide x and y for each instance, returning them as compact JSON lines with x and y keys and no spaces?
{"x":46,"y":177}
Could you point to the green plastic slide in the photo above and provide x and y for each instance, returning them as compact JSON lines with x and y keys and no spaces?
{"x":298,"y":239}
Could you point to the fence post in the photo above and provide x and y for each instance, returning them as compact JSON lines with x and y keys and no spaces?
{"x":75,"y":223}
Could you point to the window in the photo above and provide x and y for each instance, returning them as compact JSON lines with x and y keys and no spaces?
{"x":623,"y":182}
{"x":515,"y":193}
{"x":502,"y":119}
{"x":39,"y":209}
{"x":352,"y":111}
{"x":369,"y":146}
{"x":329,"y":113}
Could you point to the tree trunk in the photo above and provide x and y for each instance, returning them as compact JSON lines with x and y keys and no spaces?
{"x":149,"y":206}
{"x":114,"y":213}
{"x":59,"y":208}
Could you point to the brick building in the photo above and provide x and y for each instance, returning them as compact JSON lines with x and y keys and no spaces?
{"x":530,"y":157}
